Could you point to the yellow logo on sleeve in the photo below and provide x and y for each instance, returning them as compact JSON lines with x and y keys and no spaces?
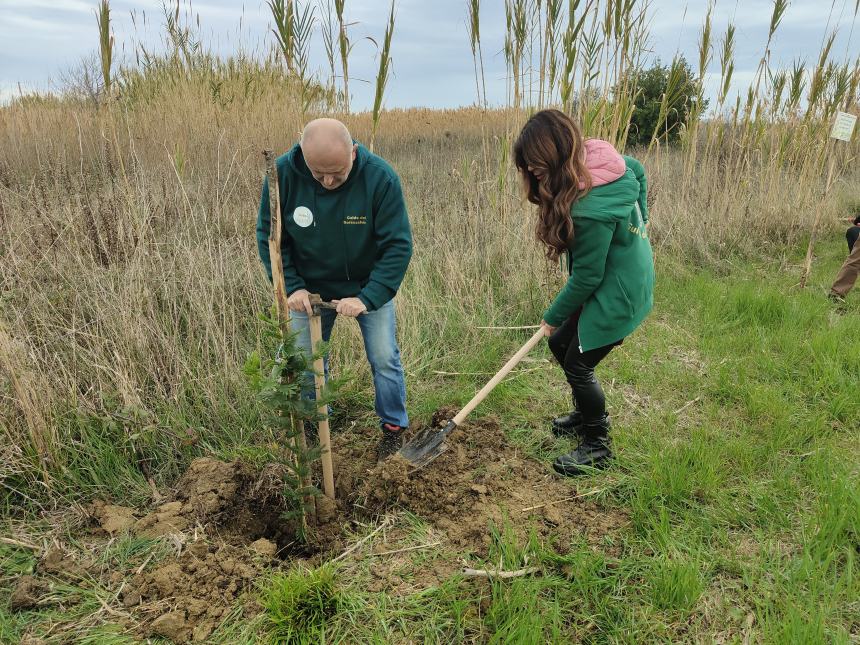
{"x":355,"y":219}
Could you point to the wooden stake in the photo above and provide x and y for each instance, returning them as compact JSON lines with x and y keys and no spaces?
{"x":280,"y":286}
{"x":282,"y":309}
{"x":319,"y":381}
{"x":307,"y":484}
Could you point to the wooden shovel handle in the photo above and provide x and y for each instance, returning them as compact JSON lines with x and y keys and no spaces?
{"x":502,"y":373}
{"x":318,"y":303}
{"x":322,"y":426}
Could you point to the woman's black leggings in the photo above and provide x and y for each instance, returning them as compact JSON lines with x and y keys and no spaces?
{"x":579,"y":368}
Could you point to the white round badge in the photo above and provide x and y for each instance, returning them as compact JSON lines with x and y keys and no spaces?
{"x":303,"y":216}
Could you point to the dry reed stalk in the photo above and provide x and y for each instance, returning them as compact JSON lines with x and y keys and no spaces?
{"x":383,"y":73}
{"x":345,"y":46}
{"x":32,"y":398}
{"x":106,"y":44}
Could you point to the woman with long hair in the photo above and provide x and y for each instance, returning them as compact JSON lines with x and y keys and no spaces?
{"x":592,"y":211}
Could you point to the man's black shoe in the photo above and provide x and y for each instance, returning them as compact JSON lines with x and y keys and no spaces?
{"x":594,"y":451}
{"x":568,"y":425}
{"x":391,"y":442}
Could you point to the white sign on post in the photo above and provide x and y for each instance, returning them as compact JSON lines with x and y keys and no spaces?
{"x":843,"y":127}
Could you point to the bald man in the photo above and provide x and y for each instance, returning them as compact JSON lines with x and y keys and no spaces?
{"x":345,"y":236}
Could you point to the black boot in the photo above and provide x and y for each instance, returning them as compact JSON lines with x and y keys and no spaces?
{"x":391,"y":442}
{"x":569,"y":425}
{"x":594,"y":450}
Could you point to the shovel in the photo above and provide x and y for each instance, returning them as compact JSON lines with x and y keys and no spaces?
{"x":430,"y":443}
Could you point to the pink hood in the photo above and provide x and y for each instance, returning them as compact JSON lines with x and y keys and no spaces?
{"x":603,"y":162}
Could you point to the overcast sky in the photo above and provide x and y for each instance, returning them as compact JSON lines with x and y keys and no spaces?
{"x":432,"y":65}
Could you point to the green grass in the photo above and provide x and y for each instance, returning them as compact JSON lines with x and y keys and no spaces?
{"x":736,"y":416}
{"x":300,"y":603}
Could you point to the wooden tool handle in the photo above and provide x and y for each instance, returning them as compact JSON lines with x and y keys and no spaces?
{"x":318,"y":303}
{"x":324,"y":434}
{"x":502,"y":373}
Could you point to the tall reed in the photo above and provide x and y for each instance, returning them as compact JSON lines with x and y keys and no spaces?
{"x":474,"y":28}
{"x":106,"y":44}
{"x":383,"y":73}
{"x":345,"y":47}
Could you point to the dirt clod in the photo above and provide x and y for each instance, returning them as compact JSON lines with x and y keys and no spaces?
{"x":209,"y":491}
{"x":167,"y":518}
{"x":57,"y":562}
{"x":27,"y":593}
{"x":552,"y":515}
{"x":172,"y":625}
{"x":209,"y":487}
{"x":200,"y":587}
{"x":326,"y":509}
{"x":265,"y":548}
{"x":131,"y":599}
{"x":112,"y":518}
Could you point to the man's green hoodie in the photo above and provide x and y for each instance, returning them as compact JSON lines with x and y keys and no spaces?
{"x":353,"y":241}
{"x":610,"y":261}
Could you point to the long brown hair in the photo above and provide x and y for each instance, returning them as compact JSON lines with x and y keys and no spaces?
{"x":552,"y":145}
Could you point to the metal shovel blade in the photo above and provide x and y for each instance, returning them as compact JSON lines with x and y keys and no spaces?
{"x":426,"y":446}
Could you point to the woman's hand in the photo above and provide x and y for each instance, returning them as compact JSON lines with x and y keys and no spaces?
{"x":548,"y":330}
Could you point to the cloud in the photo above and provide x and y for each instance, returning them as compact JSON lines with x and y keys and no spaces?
{"x":78,"y":6}
{"x":432,"y":59}
{"x":15,"y":25}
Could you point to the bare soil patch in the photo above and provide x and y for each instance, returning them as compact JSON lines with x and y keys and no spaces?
{"x":227,"y":524}
{"x":481,"y":480}
{"x":187,"y":597}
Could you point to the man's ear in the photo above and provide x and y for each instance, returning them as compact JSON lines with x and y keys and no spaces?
{"x":354,"y":150}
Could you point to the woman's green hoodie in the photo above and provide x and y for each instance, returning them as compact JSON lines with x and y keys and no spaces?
{"x":610,"y":262}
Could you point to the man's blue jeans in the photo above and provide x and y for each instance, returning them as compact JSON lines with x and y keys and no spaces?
{"x":378,"y":329}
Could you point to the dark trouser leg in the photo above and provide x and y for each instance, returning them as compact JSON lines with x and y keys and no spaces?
{"x":579,"y":369}
{"x":567,"y":424}
{"x":594,"y":448}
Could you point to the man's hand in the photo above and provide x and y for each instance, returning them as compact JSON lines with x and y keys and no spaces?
{"x":299,"y":301}
{"x":548,"y":330}
{"x":352,"y":307}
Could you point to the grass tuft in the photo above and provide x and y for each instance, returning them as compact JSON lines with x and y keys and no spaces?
{"x":300,"y":603}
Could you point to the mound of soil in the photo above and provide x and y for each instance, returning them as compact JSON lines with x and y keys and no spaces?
{"x":191,"y":594}
{"x":236,"y":517}
{"x":227,"y":498}
{"x":481,"y":480}
{"x":226,"y":521}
